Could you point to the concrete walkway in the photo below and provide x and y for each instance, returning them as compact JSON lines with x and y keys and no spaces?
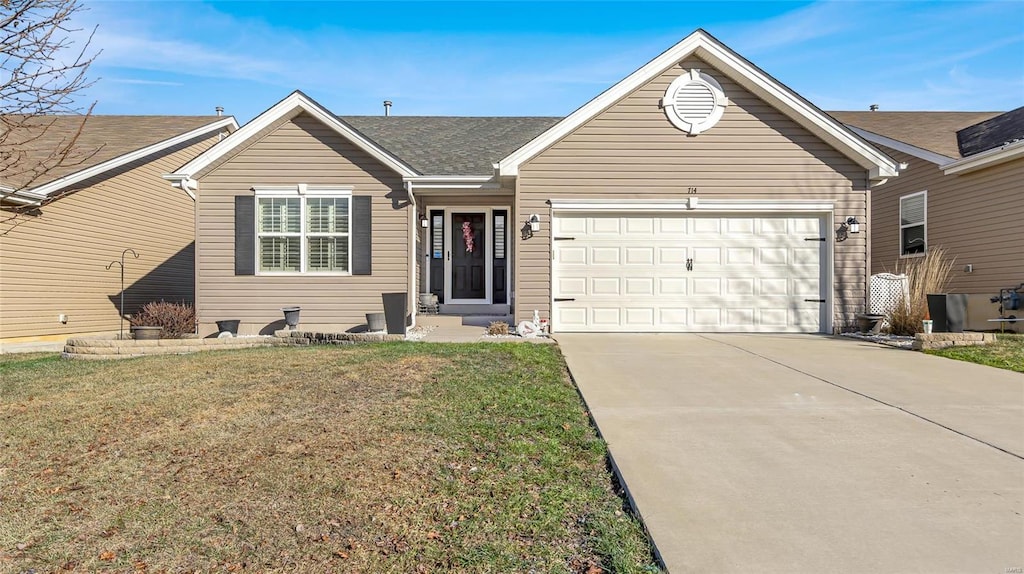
{"x":775,"y":453}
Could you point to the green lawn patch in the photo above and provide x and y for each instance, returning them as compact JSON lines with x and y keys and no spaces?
{"x":377,"y":458}
{"x":1006,"y":353}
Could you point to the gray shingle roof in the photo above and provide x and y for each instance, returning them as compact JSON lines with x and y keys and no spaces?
{"x":449,"y":145}
{"x":932,"y":131}
{"x":102,"y":138}
{"x":991,"y":133}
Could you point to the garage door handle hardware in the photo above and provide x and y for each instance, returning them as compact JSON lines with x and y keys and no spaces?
{"x":563,"y":299}
{"x":814,"y":239}
{"x":815,"y":300}
{"x":689,"y":264}
{"x":565,"y":238}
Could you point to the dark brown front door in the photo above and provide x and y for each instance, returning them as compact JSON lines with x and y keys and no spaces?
{"x":469,"y":256}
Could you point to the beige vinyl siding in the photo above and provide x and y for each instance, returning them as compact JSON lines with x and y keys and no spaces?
{"x":631,"y":151}
{"x":300,"y":150}
{"x":55,"y":262}
{"x":976,"y":217}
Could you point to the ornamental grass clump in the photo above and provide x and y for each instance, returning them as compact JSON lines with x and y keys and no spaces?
{"x":928,"y":274}
{"x":176,"y":319}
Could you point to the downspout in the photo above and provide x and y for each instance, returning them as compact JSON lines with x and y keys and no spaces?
{"x":413,"y":230}
{"x":195,"y":248}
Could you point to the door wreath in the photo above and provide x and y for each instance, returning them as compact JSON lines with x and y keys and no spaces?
{"x":467,"y":235}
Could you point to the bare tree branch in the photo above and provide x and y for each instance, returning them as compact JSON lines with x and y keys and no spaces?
{"x":42,"y":75}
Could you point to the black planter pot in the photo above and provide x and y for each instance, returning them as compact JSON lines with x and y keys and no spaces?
{"x":230,"y":325}
{"x":395,"y":311}
{"x":948,"y":312}
{"x":291,"y":316}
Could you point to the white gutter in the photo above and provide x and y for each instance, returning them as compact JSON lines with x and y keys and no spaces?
{"x":1001,"y":154}
{"x":127,"y":158}
{"x":21,"y":196}
{"x":183,"y":182}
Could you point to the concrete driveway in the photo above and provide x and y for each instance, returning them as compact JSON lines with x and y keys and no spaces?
{"x":800,"y":453}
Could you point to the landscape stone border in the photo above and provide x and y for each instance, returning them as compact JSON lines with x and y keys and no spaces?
{"x":933,"y":341}
{"x":98,"y":349}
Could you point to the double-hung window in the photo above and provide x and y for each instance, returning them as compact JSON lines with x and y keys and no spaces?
{"x":913,"y":215}
{"x":303,"y":230}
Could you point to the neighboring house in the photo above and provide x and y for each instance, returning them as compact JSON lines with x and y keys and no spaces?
{"x":697,"y":194}
{"x":962,"y":189}
{"x":60,"y":230}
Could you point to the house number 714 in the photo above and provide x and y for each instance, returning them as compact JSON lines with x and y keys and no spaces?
{"x":691,"y":190}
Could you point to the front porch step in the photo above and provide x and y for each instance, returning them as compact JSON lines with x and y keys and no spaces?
{"x":461,"y":320}
{"x":472,"y":309}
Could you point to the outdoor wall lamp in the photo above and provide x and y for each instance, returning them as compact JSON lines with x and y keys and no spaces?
{"x":534,"y":223}
{"x":424,"y":222}
{"x":853,"y":224}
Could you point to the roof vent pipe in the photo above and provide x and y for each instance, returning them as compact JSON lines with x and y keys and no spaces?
{"x":387,"y":108}
{"x":220,"y":110}
{"x":873,"y":107}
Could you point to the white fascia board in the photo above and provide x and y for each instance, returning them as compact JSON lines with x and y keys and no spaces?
{"x":114,"y":163}
{"x":920,"y":153}
{"x":296,"y":100}
{"x":709,"y":49}
{"x":693,"y":203}
{"x":452,"y":182}
{"x":23,"y":197}
{"x":1008,"y":152}
{"x":808,"y":116}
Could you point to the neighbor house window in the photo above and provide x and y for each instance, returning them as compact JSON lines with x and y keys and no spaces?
{"x":913,"y":210}
{"x":303,"y":230}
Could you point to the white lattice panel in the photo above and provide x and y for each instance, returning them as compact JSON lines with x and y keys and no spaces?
{"x":887,"y":292}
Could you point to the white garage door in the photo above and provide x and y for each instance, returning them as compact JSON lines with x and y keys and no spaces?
{"x":678,"y":273}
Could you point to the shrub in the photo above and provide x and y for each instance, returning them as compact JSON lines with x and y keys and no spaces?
{"x":928,"y":274}
{"x":497,"y":328}
{"x":176,"y":319}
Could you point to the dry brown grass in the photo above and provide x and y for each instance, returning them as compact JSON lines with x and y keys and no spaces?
{"x":399,"y":458}
{"x":928,"y":274}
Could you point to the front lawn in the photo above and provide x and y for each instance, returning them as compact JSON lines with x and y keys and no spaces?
{"x":380,"y":458}
{"x":1006,"y":353}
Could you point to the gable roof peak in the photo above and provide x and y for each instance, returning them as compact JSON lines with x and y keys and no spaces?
{"x":740,"y":70}
{"x":295,"y":101}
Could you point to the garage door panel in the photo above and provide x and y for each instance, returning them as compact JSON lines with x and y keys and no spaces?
{"x":574,"y":255}
{"x":638,"y":255}
{"x":604,"y":256}
{"x":739,"y":226}
{"x":629,"y":273}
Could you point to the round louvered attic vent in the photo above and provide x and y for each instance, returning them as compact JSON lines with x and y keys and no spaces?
{"x":694,"y":102}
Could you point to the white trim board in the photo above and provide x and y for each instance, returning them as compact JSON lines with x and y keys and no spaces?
{"x":703,"y":45}
{"x":693,"y":203}
{"x":995,"y":156}
{"x":920,"y":153}
{"x":56,"y":185}
{"x":295,"y":101}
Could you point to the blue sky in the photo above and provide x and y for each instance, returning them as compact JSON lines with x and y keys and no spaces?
{"x":523,"y":58}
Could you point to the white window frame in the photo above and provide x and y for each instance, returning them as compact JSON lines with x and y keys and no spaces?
{"x":302,"y":191}
{"x":923,"y":224}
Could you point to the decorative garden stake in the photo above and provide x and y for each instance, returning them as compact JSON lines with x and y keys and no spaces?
{"x":121,"y":263}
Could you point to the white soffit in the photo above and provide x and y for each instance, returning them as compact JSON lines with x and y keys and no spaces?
{"x":706,"y":47}
{"x":295,"y":101}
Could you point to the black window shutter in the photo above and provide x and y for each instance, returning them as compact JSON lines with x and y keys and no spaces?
{"x":245,"y":235}
{"x":362,"y":236}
